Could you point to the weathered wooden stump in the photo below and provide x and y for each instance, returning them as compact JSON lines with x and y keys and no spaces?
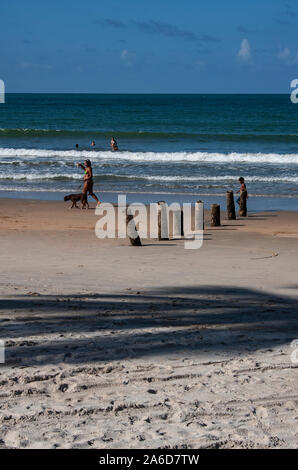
{"x":178,"y":228}
{"x":231,"y":213}
{"x":163,"y":226}
{"x":132,"y":231}
{"x":243,"y":205}
{"x":199,"y":216}
{"x":215,"y":215}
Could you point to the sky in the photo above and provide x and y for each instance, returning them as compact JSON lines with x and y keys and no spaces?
{"x":149,"y":46}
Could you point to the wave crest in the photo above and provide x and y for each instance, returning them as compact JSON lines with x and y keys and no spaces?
{"x":152,"y":157}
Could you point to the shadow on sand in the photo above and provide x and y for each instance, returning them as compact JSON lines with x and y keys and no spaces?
{"x":79,"y":329}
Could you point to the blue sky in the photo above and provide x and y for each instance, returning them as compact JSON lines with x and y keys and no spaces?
{"x":149,"y":46}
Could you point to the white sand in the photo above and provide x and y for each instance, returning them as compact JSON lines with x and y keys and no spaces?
{"x":110,"y":346}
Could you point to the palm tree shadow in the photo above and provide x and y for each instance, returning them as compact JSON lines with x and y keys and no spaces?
{"x":81,"y":329}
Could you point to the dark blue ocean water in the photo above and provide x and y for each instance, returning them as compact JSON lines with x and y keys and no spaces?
{"x":194,"y":144}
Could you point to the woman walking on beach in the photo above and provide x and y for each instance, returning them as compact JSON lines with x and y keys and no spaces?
{"x":88,"y":180}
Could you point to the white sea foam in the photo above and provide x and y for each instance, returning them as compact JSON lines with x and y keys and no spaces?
{"x":76,"y":155}
{"x":78,"y":176}
{"x":38,"y":176}
{"x":230,"y":178}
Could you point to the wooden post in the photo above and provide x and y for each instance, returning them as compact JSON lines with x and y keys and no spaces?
{"x":177,"y":223}
{"x":131,"y":230}
{"x":163,"y":228}
{"x":182,"y":223}
{"x":215,"y":215}
{"x":243,"y":207}
{"x":231,"y":213}
{"x":199,"y":216}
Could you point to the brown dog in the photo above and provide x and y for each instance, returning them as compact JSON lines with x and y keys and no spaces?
{"x":74,"y":198}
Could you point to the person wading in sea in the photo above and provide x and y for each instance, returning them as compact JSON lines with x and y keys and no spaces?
{"x":114,"y":145}
{"x":88,"y":180}
{"x":242,"y":188}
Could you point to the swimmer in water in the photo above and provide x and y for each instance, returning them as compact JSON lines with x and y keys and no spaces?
{"x":114,"y":145}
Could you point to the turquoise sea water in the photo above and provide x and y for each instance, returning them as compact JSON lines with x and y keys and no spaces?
{"x":186,"y":144}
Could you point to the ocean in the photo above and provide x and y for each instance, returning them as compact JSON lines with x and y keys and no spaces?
{"x":187,"y":145}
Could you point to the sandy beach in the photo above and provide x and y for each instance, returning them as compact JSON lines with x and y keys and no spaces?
{"x":113,"y":346}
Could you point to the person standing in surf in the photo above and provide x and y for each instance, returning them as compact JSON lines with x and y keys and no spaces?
{"x":114,"y":145}
{"x":242,"y":188}
{"x":88,"y":180}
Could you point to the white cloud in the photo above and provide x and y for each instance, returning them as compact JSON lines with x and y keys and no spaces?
{"x":295,"y":60}
{"x":26,"y":65}
{"x":127,"y":57}
{"x":124,"y":54}
{"x":244,"y":53}
{"x":284,"y":54}
{"x":199,"y":64}
{"x":31,"y":65}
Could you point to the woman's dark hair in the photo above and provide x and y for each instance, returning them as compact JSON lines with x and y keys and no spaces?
{"x":88,"y":163}
{"x":241,"y":179}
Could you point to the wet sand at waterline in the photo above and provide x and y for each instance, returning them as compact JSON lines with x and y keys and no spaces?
{"x":113,"y":346}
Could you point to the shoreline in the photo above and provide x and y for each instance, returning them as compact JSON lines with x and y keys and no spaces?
{"x":27,"y":215}
{"x":255,"y":203}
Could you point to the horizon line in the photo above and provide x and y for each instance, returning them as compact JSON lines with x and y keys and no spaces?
{"x":137,"y":93}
